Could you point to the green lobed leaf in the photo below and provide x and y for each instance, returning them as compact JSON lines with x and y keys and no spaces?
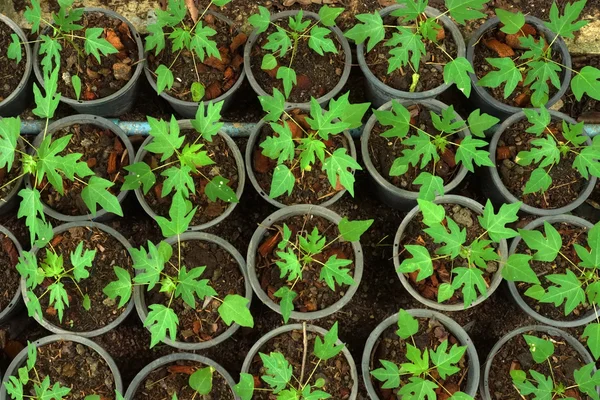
{"x":296,"y":22}
{"x":588,"y":380}
{"x":398,"y":117}
{"x":122,"y":287}
{"x":495,"y":224}
{"x":165,"y":138}
{"x":512,"y":22}
{"x":432,"y":213}
{"x":469,"y":152}
{"x":421,"y":261}
{"x":181,"y":214}
{"x":407,"y":45}
{"x":568,"y":290}
{"x":207,"y":119}
{"x":471,"y":281}
{"x":95,"y":45}
{"x":453,"y":238}
{"x":539,"y":120}
{"x":540,"y":349}
{"x":592,"y":333}
{"x":150,"y":264}
{"x":327,"y":347}
{"x":10,"y":129}
{"x":281,"y":145}
{"x":407,"y":325}
{"x":446,"y":360}
{"x":371,"y":27}
{"x":351,"y":231}
{"x":389,"y":374}
{"x":95,"y":193}
{"x":278,"y":371}
{"x":59,"y":299}
{"x":418,"y":389}
{"x":328,"y":14}
{"x":539,"y":181}
{"x":34,"y":15}
{"x":286,"y":304}
{"x":178,"y":178}
{"x":341,"y":165}
{"x":457,"y":72}
{"x":260,"y":21}
{"x":518,"y":269}
{"x":189,"y":285}
{"x":463,"y":10}
{"x":547,"y":247}
{"x":283,"y":181}
{"x":332,"y":272}
{"x":587,"y":81}
{"x":164,"y":78}
{"x":565,"y":25}
{"x":218,"y":188}
{"x":288,"y":77}
{"x":587,"y":161}
{"x":81,"y":260}
{"x":273,"y":105}
{"x":479,"y":123}
{"x":590,"y":259}
{"x":507,"y":73}
{"x":201,"y":43}
{"x":319,"y":42}
{"x":431,"y":186}
{"x":410,"y":9}
{"x":155,"y":39}
{"x":235,"y":309}
{"x":245,"y":387}
{"x":161,"y":321}
{"x":279,"y":42}
{"x":140,"y":175}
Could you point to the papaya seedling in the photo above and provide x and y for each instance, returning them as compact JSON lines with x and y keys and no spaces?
{"x":279,"y":374}
{"x":410,"y":38}
{"x":424,"y":147}
{"x":420,"y":377}
{"x":469,"y":260}
{"x":305,"y":149}
{"x":280,"y":42}
{"x":14,"y":51}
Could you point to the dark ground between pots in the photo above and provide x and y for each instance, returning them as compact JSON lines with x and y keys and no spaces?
{"x":12,"y":72}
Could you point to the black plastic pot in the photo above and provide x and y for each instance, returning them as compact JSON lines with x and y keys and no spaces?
{"x":185,"y":125}
{"x":101,"y":214}
{"x":298,"y":327}
{"x":172,"y":358}
{"x":21,"y":359}
{"x":496,"y":280}
{"x":117,"y":103}
{"x":100,"y":331}
{"x":18,"y":100}
{"x":142,"y":307}
{"x":482,"y":98}
{"x":188,"y":109}
{"x":494,"y":188}
{"x":323,"y":100}
{"x":16,"y":303}
{"x":484,"y":389}
{"x":257,"y":238}
{"x":388,"y":193}
{"x":378,"y":93}
{"x":585,"y":319}
{"x":249,"y":159}
{"x":455,"y":329}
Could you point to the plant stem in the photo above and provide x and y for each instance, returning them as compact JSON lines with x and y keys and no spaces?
{"x":305,"y":344}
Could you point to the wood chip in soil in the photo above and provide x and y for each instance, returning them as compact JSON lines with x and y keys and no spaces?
{"x":109,"y":253}
{"x":9,"y":277}
{"x":11,"y":73}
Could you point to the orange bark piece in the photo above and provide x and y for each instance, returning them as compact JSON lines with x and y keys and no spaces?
{"x":502,"y":153}
{"x":449,"y":158}
{"x":303,"y":82}
{"x":237,"y":61}
{"x":238,"y":41}
{"x":181,"y":369}
{"x":261,"y":162}
{"x":441,"y":35}
{"x":267,"y":246}
{"x":500,"y":48}
{"x":213,"y":91}
{"x":295,"y":129}
{"x":196,"y":326}
{"x":522,"y":99}
{"x":9,"y":247}
{"x":114,"y":39}
{"x":112,"y":163}
{"x":56,"y":240}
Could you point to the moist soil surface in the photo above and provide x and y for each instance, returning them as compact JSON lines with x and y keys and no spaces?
{"x":313,"y":293}
{"x":515,"y":354}
{"x":98,"y":80}
{"x":12,"y":72}
{"x":431,"y":72}
{"x":335,"y":371}
{"x":224,"y":165}
{"x":567,"y":183}
{"x":384,"y":151}
{"x":392,"y":348}
{"x":216,"y":75}
{"x":442,"y":268}
{"x":105,"y":154}
{"x":311,"y":187}
{"x":9,"y":277}
{"x":570,"y":235}
{"x":75,"y":366}
{"x":316,"y":75}
{"x":173,"y":378}
{"x":202,"y":323}
{"x":109,"y":253}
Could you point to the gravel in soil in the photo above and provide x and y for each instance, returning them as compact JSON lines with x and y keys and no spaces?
{"x":9,"y":277}
{"x":202,"y":323}
{"x":12,"y":72}
{"x":313,"y":293}
{"x":335,"y":371}
{"x":109,"y":253}
{"x":173,"y":379}
{"x":567,"y":183}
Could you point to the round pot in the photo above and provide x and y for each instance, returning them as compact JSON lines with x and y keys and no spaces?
{"x":378,"y":93}
{"x":480,"y":96}
{"x":117,"y":103}
{"x":188,"y":109}
{"x":484,"y":388}
{"x":12,"y":200}
{"x":101,"y":214}
{"x":18,"y":100}
{"x":496,"y":280}
{"x":584,"y":320}
{"x":323,"y":100}
{"x":282,"y":214}
{"x":249,"y":159}
{"x":455,"y":329}
{"x":494,"y":188}
{"x":171,"y":358}
{"x":185,"y":125}
{"x":21,"y":358}
{"x":309,"y":328}
{"x":142,"y":307}
{"x":388,"y":193}
{"x":97,"y":332}
{"x":16,"y":303}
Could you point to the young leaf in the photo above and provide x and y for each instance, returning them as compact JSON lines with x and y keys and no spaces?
{"x":564,"y":25}
{"x":517,"y":269}
{"x":419,"y":362}
{"x":245,"y":388}
{"x":538,"y":76}
{"x":218,"y":189}
{"x":328,"y":347}
{"x":235,"y":309}
{"x":471,"y":281}
{"x":46,"y":105}
{"x":160,"y":322}
{"x":319,"y":41}
{"x":155,"y":39}
{"x":179,"y":179}
{"x":281,"y":146}
{"x":288,"y":76}
{"x":34,"y":15}
{"x":452,"y":239}
{"x":10,"y":129}
{"x":313,"y":243}
{"x":590,"y":259}
{"x":34,"y":308}
{"x":479,"y":123}
{"x":283,"y":181}
{"x":181,"y":214}
{"x":418,"y":389}
{"x":411,"y":48}
{"x":469,"y":152}
{"x":279,"y":42}
{"x":445,"y":360}
{"x":398,"y":118}
{"x":96,"y":193}
{"x":445,"y":292}
{"x":410,"y":9}
{"x":512,"y":22}
{"x":58,"y":298}
{"x":286,"y":304}
{"x":29,"y":270}
{"x":407,"y":325}
{"x":433,"y":214}
{"x":201,"y":380}
{"x":431,"y":186}
{"x":150,"y":264}
{"x":351,"y":231}
{"x":539,"y":181}
{"x":587,"y":161}
{"x":207,"y":120}
{"x":289,"y":265}
{"x":76,"y":82}
{"x":261,"y":20}
{"x":269,"y":62}
{"x":371,"y":28}
{"x":337,"y":167}
{"x":278,"y":371}
{"x":389,"y":374}
{"x":457,"y":71}
{"x":189,"y":285}
{"x":463,"y":10}
{"x":540,"y":349}
{"x":332,"y":272}
{"x":568,"y":290}
{"x":421,"y":261}
{"x":120,"y":288}
{"x":507,"y":73}
{"x":165,"y":139}
{"x":311,"y":149}
{"x":328,"y":14}
{"x":173,"y":15}
{"x":164,"y":79}
{"x":202,"y":45}
{"x":592,"y":333}
{"x":544,"y":388}
{"x":588,"y":379}
{"x":140,"y":175}
{"x":495,"y":224}
{"x":94,"y":44}
{"x":587,"y":81}
{"x":273,"y":105}
{"x":82,"y":260}
{"x":547,"y":247}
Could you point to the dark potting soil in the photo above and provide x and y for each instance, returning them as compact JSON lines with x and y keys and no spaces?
{"x":313,"y":294}
{"x":431,"y":67}
{"x":567,"y":183}
{"x":335,"y":371}
{"x":164,"y":382}
{"x":384,"y":151}
{"x":515,"y":354}
{"x":12,"y":73}
{"x":217,"y":76}
{"x":109,"y":253}
{"x":9,"y":277}
{"x":105,"y":154}
{"x":223,"y":272}
{"x":442,"y":268}
{"x":311,"y":187}
{"x":431,"y":334}
{"x":521,"y":96}
{"x":570,"y":235}
{"x":75,"y":366}
{"x":224,"y":165}
{"x":316,"y":75}
{"x":98,"y":80}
